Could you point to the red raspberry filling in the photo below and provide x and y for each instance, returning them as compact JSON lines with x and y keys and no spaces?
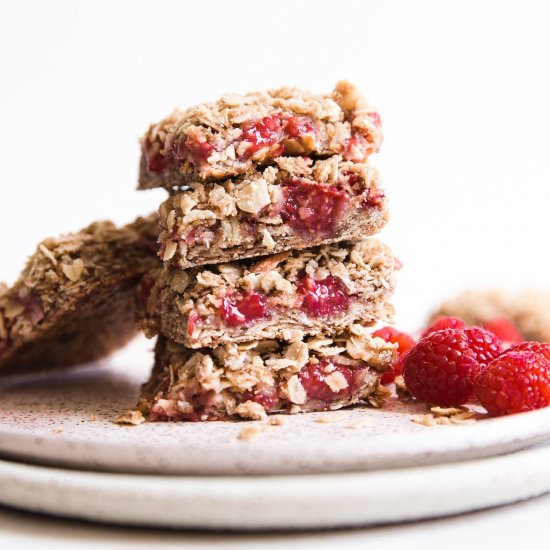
{"x":195,"y":149}
{"x":144,"y":289}
{"x":356,"y":147}
{"x":263,"y":133}
{"x":239,"y":309}
{"x":193,"y":320}
{"x":274,"y":130}
{"x":155,"y":160}
{"x":323,"y":298}
{"x":297,"y":126}
{"x":311,"y":208}
{"x":375,"y":118}
{"x":202,"y":235}
{"x":313,"y":378}
{"x":267,"y":397}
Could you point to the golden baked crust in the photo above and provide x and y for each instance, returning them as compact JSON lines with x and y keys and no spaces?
{"x":75,"y":300}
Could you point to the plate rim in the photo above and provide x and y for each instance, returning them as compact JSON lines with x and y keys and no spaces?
{"x":278,"y":502}
{"x":438,"y":444}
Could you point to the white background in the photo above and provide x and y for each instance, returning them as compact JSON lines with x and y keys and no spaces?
{"x":463,"y":89}
{"x":462,"y":86}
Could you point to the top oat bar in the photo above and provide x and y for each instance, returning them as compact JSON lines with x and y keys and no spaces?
{"x":238,"y":133}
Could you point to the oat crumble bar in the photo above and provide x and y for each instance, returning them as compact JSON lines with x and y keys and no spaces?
{"x":295,"y":204}
{"x":256,"y":378}
{"x":238,"y":133}
{"x":75,"y":300}
{"x":528,"y":310}
{"x":315,"y":291}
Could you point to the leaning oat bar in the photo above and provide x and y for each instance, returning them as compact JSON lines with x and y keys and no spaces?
{"x":296,"y":204}
{"x":74,"y":301}
{"x":238,"y":133}
{"x":250,"y":380}
{"x":529,"y":310}
{"x":314,"y":291}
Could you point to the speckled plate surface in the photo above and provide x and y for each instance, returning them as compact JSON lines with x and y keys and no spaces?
{"x":65,"y":419}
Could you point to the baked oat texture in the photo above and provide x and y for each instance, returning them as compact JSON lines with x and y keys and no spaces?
{"x":253,"y":379}
{"x":75,"y":299}
{"x":237,"y":133}
{"x":295,"y":204}
{"x":315,"y":291}
{"x":528,"y":310}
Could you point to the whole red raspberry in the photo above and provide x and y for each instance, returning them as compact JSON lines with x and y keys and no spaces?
{"x":404,"y":342}
{"x":485,"y":344}
{"x":441,"y":368}
{"x":536,"y":347}
{"x":504,"y":329}
{"x":442,"y":323}
{"x":517,"y":381}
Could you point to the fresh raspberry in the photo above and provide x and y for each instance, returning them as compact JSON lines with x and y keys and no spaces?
{"x":517,"y":381}
{"x":404,"y":342}
{"x":442,"y":323}
{"x":504,"y":329}
{"x":484,"y":344}
{"x":441,"y":368}
{"x":536,"y":347}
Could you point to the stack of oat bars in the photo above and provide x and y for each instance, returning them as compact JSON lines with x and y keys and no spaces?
{"x":271,"y":284}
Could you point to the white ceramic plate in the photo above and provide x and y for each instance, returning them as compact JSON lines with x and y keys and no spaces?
{"x":281,"y":503}
{"x":65,"y":419}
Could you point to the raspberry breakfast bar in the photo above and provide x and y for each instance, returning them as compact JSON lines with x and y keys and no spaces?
{"x":238,"y":133}
{"x":252,"y":379}
{"x":528,"y":310}
{"x":296,"y":204}
{"x":315,"y":291}
{"x":75,"y":300}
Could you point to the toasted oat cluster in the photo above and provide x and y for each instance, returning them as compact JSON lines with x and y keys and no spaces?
{"x":266,"y":376}
{"x":295,"y":204}
{"x":74,"y":301}
{"x":320,"y":290}
{"x":528,"y":310}
{"x":238,"y":133}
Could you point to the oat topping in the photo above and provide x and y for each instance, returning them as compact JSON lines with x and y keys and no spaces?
{"x":215,"y":141}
